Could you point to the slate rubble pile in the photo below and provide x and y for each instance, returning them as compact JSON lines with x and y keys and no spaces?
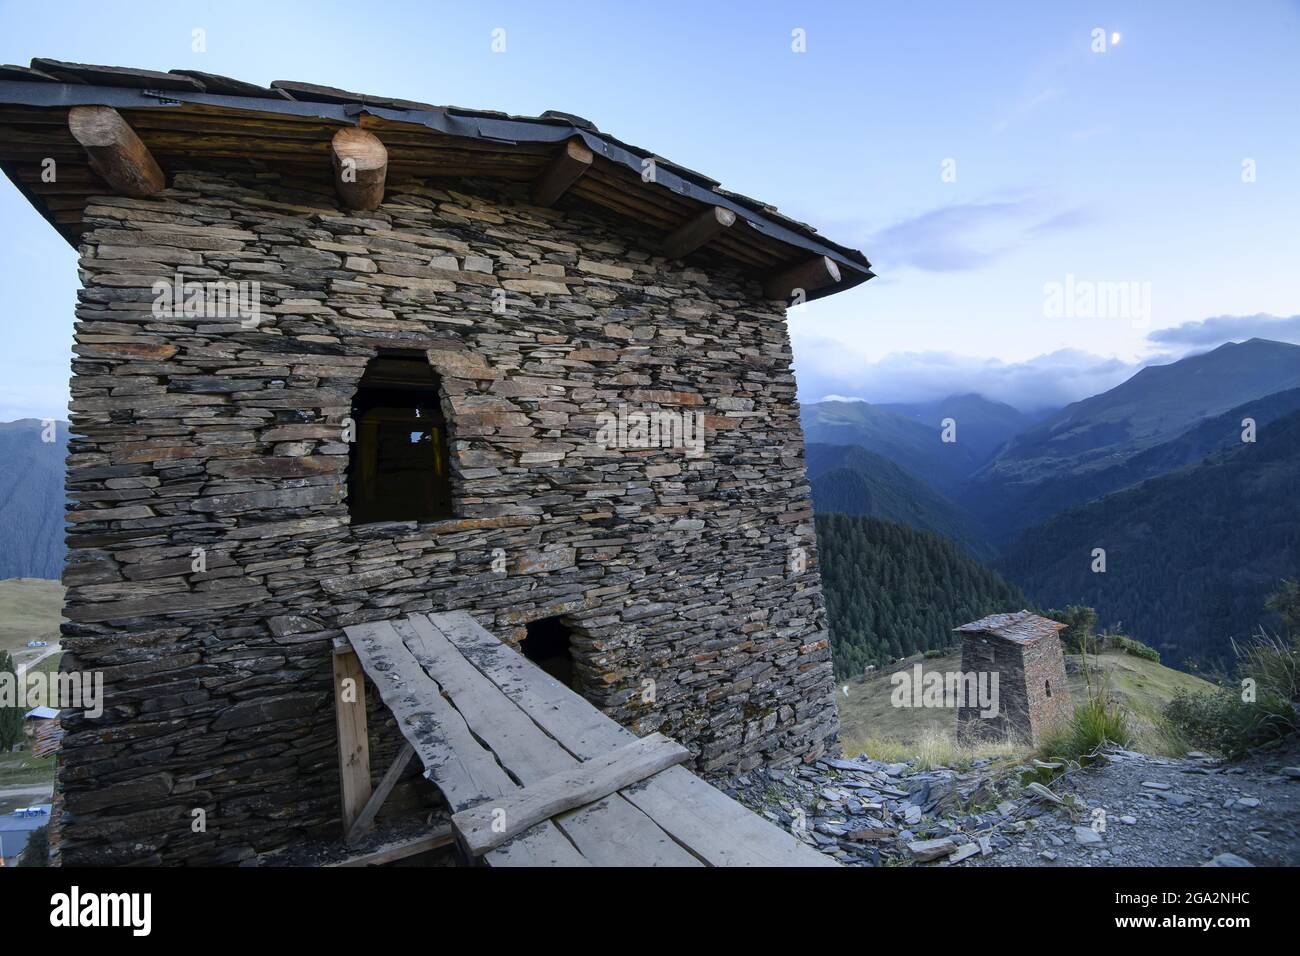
{"x":1129,"y":809}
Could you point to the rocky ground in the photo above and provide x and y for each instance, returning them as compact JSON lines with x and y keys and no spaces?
{"x":1128,"y":809}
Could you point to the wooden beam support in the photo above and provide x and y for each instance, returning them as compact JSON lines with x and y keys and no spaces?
{"x":440,"y":837}
{"x":806,"y":276}
{"x":115,"y":152}
{"x":562,"y":172}
{"x":360,"y":167}
{"x":697,"y":231}
{"x":354,"y":739}
{"x":365,"y":821}
{"x":489,"y":824}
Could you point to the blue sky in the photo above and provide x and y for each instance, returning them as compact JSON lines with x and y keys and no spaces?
{"x":1122,"y":166}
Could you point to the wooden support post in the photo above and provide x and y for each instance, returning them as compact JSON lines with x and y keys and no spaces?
{"x":360,"y":167}
{"x":354,"y":739}
{"x":561,"y":173}
{"x":115,"y":152}
{"x":365,"y":820}
{"x":697,"y":231}
{"x":439,"y":837}
{"x":807,"y":276}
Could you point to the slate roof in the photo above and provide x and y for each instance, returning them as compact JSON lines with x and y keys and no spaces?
{"x":1021,"y":627}
{"x":772,"y":240}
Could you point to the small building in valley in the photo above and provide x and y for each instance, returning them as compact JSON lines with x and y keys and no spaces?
{"x":342,"y":358}
{"x":1023,"y":649}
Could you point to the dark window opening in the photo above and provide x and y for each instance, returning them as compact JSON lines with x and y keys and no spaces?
{"x":398,"y":468}
{"x":547,"y":645}
{"x":1048,"y":687}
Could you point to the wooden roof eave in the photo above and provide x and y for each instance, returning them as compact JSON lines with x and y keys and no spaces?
{"x":498,"y":143}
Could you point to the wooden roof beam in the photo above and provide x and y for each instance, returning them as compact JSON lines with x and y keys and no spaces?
{"x":115,"y":152}
{"x":360,"y":163}
{"x":807,"y":276}
{"x":562,"y":172}
{"x":697,"y":231}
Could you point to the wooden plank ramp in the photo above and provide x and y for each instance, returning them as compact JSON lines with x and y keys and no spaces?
{"x":537,"y":776}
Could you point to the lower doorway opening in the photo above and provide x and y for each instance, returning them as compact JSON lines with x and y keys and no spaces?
{"x":548,"y":644}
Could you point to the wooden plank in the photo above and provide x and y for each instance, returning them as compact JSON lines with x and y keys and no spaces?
{"x":354,"y":738}
{"x":454,"y":760}
{"x":697,"y":231}
{"x":115,"y":151}
{"x":563,"y":171}
{"x":401,"y":849}
{"x":495,"y":821}
{"x":813,"y":274}
{"x":696,"y":814}
{"x":463,"y":770}
{"x":360,"y":167}
{"x":528,"y":753}
{"x":718,"y":828}
{"x":365,"y":820}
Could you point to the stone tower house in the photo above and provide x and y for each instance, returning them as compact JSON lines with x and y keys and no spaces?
{"x":342,"y":358}
{"x":1023,"y":649}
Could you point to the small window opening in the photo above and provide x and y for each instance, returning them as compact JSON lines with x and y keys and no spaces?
{"x":547,"y":644}
{"x":1047,"y":685}
{"x":398,"y":468}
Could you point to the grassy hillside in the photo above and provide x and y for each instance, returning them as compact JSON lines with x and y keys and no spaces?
{"x":870,"y":724}
{"x":30,"y":609}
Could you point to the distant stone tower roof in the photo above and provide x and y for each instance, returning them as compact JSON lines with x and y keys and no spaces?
{"x":1021,"y":627}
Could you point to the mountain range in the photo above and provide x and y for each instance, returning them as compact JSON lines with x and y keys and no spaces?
{"x":31,"y":498}
{"x":1199,"y":522}
{"x":1190,"y":557}
{"x":848,"y":479}
{"x":912,"y":436}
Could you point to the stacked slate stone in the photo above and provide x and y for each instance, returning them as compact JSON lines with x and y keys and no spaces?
{"x":203,"y":439}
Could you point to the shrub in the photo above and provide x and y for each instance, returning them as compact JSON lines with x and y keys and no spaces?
{"x":1097,"y":721}
{"x":1081,"y":622}
{"x":1129,"y":646}
{"x":1223,"y":722}
{"x":1230,"y":721}
{"x":11,"y":716}
{"x":37,"y":850}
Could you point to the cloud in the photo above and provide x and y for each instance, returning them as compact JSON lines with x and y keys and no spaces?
{"x":1218,"y":329}
{"x":969,"y":235}
{"x":828,"y":368}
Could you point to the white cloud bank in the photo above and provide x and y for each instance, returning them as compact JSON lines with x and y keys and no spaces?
{"x":829,"y":369}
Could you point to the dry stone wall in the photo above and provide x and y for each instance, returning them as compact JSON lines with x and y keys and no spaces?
{"x":211,"y":558}
{"x":1026,"y":673}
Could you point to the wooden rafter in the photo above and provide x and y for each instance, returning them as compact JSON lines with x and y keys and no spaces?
{"x":360,"y":167}
{"x":816,"y":273}
{"x":565,"y":169}
{"x":115,"y":152}
{"x":697,"y":231}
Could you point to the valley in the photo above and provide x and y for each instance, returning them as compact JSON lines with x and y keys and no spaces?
{"x":1185,"y":476}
